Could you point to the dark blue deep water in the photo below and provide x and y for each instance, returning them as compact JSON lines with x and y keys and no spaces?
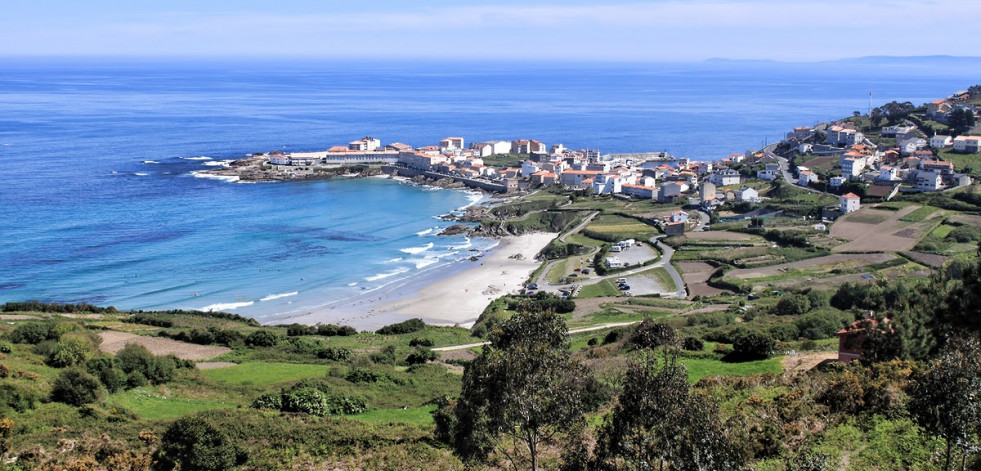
{"x":83,"y":218}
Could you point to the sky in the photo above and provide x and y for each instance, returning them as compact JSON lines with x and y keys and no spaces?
{"x":545,"y":30}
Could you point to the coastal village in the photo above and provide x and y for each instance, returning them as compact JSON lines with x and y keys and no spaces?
{"x":790,"y":308}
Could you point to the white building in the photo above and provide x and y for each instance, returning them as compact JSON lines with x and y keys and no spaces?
{"x":967,"y":144}
{"x":888,"y":173}
{"x":747,"y":194}
{"x":940,"y":141}
{"x":840,"y":136}
{"x":928,"y":181}
{"x":805,"y":177}
{"x":451,"y":143}
{"x":849,"y":202}
{"x":852,"y":167}
{"x":771,"y":172}
{"x":835,"y":182}
{"x":364,"y":144}
{"x":725,"y":177}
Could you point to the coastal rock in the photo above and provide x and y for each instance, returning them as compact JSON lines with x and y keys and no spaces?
{"x":455,"y":229}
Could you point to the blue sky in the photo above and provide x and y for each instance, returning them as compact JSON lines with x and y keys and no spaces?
{"x":667,"y":30}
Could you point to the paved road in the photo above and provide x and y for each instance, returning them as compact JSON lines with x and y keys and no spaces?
{"x":578,"y":227}
{"x":572,"y":331}
{"x":785,"y":168}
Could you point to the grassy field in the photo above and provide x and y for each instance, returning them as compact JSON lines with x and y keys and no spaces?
{"x":919,"y":214}
{"x":942,"y":231}
{"x":962,"y":162}
{"x":622,"y":227}
{"x":149,"y":404}
{"x":413,"y":415}
{"x":595,"y":290}
{"x":699,"y":368}
{"x":663,"y":278}
{"x":265,"y":373}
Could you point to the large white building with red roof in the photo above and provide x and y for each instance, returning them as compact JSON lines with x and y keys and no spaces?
{"x":849,"y":202}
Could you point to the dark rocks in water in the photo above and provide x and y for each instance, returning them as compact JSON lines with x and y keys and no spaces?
{"x":455,"y":229}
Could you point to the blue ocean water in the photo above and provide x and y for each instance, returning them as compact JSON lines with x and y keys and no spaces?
{"x":83,"y":218}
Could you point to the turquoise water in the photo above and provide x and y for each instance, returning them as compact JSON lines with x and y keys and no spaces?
{"x":83,"y":218}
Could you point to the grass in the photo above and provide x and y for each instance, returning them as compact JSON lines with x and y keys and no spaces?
{"x":942,"y":231}
{"x":699,"y":368}
{"x":265,"y":373}
{"x":595,"y":290}
{"x":413,"y":415}
{"x":663,"y":278}
{"x":919,"y":214}
{"x":148,"y":404}
{"x":962,"y":162}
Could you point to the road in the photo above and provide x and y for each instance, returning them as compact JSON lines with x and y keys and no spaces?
{"x":785,"y":168}
{"x":572,"y":331}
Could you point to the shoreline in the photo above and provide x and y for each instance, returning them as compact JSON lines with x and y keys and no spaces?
{"x":454,"y":295}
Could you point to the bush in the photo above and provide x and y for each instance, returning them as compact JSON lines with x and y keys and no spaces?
{"x":229,"y":337}
{"x":421,"y":343}
{"x":296,"y":330}
{"x":76,"y":387}
{"x":693,"y":344}
{"x":31,"y":333}
{"x":784,"y":332}
{"x":334,"y":354}
{"x":420,"y":355}
{"x":135,"y":357}
{"x":650,"y":334}
{"x":712,"y":319}
{"x":110,"y":375}
{"x":272,"y":401}
{"x":16,"y":398}
{"x":193,"y":444}
{"x":135,"y":379}
{"x":385,"y":357}
{"x":333,"y":330}
{"x":359,"y":375}
{"x":792,"y":305}
{"x":307,"y":401}
{"x":820,"y":325}
{"x":5,"y":347}
{"x":70,"y":351}
{"x":405,"y":327}
{"x":753,"y":346}
{"x":262,"y":338}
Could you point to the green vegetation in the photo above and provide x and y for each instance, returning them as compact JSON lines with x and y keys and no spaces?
{"x":265,"y":373}
{"x":601,"y":289}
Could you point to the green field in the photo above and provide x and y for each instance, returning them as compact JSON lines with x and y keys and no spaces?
{"x":265,"y":373}
{"x":942,"y":231}
{"x":413,"y":415}
{"x":149,"y":404}
{"x":595,"y":290}
{"x":919,"y":214}
{"x":699,"y":368}
{"x":962,"y":162}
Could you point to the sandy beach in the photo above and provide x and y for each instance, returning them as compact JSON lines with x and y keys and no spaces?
{"x":457,"y":299}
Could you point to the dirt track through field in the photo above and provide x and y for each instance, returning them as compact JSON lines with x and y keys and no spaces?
{"x":696,"y":275}
{"x":718,"y":235}
{"x":113,"y":342}
{"x":854,"y":259}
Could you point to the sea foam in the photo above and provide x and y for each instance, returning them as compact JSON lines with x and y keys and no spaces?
{"x":382,"y":276}
{"x":226,"y":306}
{"x":277,"y":296}
{"x":427,"y":231}
{"x":415,"y":250}
{"x":195,"y":158}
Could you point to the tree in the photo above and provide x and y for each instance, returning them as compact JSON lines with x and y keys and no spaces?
{"x":195,"y":444}
{"x":262,"y":338}
{"x":793,"y":305}
{"x":961,"y":120}
{"x":650,"y":334}
{"x":946,"y":397}
{"x":657,"y":420}
{"x":76,"y":387}
{"x":753,"y":346}
{"x":521,"y":392}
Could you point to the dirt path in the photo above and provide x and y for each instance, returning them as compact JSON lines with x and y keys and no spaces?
{"x":885,"y":236}
{"x":864,"y":259}
{"x":113,"y":342}
{"x":806,"y":361}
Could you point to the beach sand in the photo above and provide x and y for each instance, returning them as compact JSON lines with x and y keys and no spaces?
{"x":457,"y":299}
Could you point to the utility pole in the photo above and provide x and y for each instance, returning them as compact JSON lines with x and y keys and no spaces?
{"x":870,"y":103}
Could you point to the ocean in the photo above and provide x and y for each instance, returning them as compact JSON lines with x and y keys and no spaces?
{"x":99,"y":201}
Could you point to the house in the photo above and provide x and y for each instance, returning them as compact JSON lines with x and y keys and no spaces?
{"x":771,"y":172}
{"x":451,"y":143}
{"x":835,"y":182}
{"x":528,"y":167}
{"x":279,"y":159}
{"x":940,"y":141}
{"x":364,"y":144}
{"x":528,"y":146}
{"x":577,"y":178}
{"x":544,"y":177}
{"x":946,"y":168}
{"x":852,"y":167}
{"x":674,"y":229}
{"x":842,"y":136}
{"x":888,"y":173}
{"x":398,"y":147}
{"x":639,"y":191}
{"x":706,"y":192}
{"x":910,"y":145}
{"x":615,"y":262}
{"x":967,"y":144}
{"x":938,"y":109}
{"x":802,"y":133}
{"x":671,"y":190}
{"x":607,"y":184}
{"x":805,"y":177}
{"x":725,"y":177}
{"x":897,"y":130}
{"x":849,"y":202}
{"x":747,"y":194}
{"x":927,"y":180}
{"x":420,"y":160}
{"x":679,"y":216}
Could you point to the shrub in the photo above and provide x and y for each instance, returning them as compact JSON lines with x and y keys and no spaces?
{"x":69,"y":351}
{"x":792,"y":305}
{"x":421,"y":343}
{"x":405,"y":327}
{"x":110,"y":375}
{"x":420,"y":355}
{"x":229,"y":337}
{"x":135,"y":379}
{"x":193,"y":444}
{"x":17,"y":398}
{"x":307,"y":401}
{"x":753,"y":346}
{"x":76,"y":387}
{"x":650,"y":334}
{"x":359,"y":375}
{"x":333,"y":330}
{"x":820,"y":325}
{"x":712,"y":319}
{"x":341,"y":404}
{"x":31,"y":333}
{"x":693,"y":344}
{"x":135,"y":357}
{"x":262,"y":338}
{"x":384,"y":357}
{"x":334,"y":354}
{"x":296,"y":330}
{"x":784,"y":332}
{"x":272,"y":401}
{"x":5,"y":347}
